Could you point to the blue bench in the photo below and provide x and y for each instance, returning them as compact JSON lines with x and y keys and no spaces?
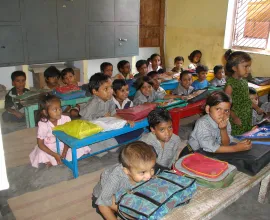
{"x":75,"y":143}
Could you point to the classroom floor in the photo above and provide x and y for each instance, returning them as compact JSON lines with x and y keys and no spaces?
{"x":25,"y":178}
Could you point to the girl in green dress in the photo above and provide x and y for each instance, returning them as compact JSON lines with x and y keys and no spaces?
{"x":238,"y":67}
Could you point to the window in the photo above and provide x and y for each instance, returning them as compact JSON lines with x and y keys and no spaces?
{"x":250,"y":25}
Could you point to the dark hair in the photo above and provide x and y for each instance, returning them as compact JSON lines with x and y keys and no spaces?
{"x":65,"y":71}
{"x":135,"y":153}
{"x":185,"y":72}
{"x":139,"y":63}
{"x":193,"y":54}
{"x":157,"y":116}
{"x":235,"y":58}
{"x":43,"y":104}
{"x":217,"y":68}
{"x":17,"y":73}
{"x":96,"y":81}
{"x":118,"y":84}
{"x":104,"y":65}
{"x":179,"y":58}
{"x":141,"y":80}
{"x":217,"y":97}
{"x":121,"y":64}
{"x":148,"y":61}
{"x":51,"y":71}
{"x":154,"y":55}
{"x":252,"y":91}
{"x":201,"y":68}
{"x":152,"y":74}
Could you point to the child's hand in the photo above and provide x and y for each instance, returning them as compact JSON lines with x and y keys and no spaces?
{"x":58,"y":158}
{"x":244,"y":145}
{"x":131,"y":123}
{"x":237,"y":121}
{"x":107,"y":115}
{"x":260,"y":111}
{"x":223,"y":124}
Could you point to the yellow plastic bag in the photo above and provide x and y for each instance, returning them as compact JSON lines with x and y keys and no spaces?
{"x":79,"y":128}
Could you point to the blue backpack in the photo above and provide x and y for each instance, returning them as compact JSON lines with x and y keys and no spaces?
{"x":156,"y":197}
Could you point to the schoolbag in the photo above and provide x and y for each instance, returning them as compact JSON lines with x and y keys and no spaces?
{"x":154,"y":198}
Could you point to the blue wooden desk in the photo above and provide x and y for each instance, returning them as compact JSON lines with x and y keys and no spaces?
{"x":30,"y":109}
{"x":75,"y":143}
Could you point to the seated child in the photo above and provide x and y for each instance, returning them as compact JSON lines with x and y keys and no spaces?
{"x":120,"y":94}
{"x":46,"y":152}
{"x":201,"y":82}
{"x":219,"y":79}
{"x":124,"y":70}
{"x":184,"y":87}
{"x":195,"y":59}
{"x":100,"y":105}
{"x":14,"y":110}
{"x":51,"y":75}
{"x":260,"y":112}
{"x":178,"y":66}
{"x":107,"y":69}
{"x":155,"y":63}
{"x":161,"y":137}
{"x":68,"y":77}
{"x":212,"y":132}
{"x":161,"y":93}
{"x":141,"y":66}
{"x":137,"y":162}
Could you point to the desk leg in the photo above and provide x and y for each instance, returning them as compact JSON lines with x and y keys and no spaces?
{"x":26,"y":113}
{"x":31,"y":113}
{"x":264,"y":189}
{"x":75,"y":163}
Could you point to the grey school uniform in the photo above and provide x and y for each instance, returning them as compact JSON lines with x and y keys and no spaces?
{"x":96,"y":108}
{"x":160,"y":93}
{"x":206,"y":135}
{"x":112,"y":180}
{"x":167,"y":155}
{"x":256,"y":117}
{"x":218,"y":82}
{"x":180,"y":90}
{"x":139,"y":98}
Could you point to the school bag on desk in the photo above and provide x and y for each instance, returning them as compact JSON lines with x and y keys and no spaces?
{"x":208,"y":172}
{"x":249,"y":162}
{"x":69,"y":92}
{"x":154,"y":198}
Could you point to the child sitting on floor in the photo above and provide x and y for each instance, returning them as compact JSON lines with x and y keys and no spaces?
{"x":178,"y":66}
{"x":106,"y":68}
{"x":161,"y":137}
{"x":195,"y":59}
{"x":201,"y":82}
{"x":141,"y":66}
{"x":219,"y":79}
{"x":51,"y":75}
{"x":184,"y":87}
{"x":14,"y":110}
{"x":124,"y":70}
{"x":265,"y":107}
{"x":120,"y":94}
{"x":137,"y":161}
{"x":45,"y":152}
{"x":212,"y":132}
{"x":68,"y":77}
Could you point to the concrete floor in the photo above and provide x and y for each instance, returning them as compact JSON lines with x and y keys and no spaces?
{"x":26,"y":179}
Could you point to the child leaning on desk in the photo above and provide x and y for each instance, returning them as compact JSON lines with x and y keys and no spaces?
{"x":100,"y":105}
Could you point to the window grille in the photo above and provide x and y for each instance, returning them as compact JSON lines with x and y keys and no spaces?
{"x":252,"y":24}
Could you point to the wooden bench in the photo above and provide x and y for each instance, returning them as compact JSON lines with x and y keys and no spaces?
{"x":75,"y":143}
{"x":207,"y":202}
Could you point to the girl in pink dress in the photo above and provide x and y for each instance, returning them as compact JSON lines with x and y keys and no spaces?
{"x":45,"y":151}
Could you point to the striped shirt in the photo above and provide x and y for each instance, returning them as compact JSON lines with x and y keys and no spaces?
{"x":167,"y":155}
{"x":112,"y":180}
{"x":180,"y":90}
{"x":206,"y":135}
